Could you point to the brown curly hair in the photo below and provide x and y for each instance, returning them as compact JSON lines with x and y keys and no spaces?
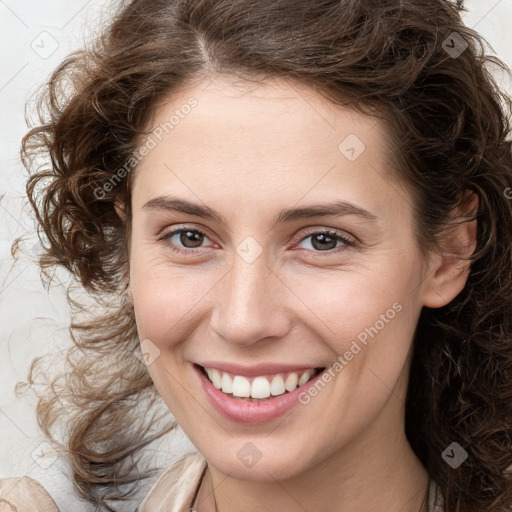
{"x":413,"y":64}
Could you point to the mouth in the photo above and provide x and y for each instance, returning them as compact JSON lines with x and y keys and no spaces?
{"x":260,"y":387}
{"x":255,"y":396}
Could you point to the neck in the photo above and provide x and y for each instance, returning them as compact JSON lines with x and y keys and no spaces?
{"x":393,"y":479}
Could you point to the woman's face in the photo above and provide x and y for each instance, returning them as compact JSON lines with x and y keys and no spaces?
{"x":296,"y":253}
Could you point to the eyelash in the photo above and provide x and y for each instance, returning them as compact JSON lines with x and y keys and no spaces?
{"x":333,"y":234}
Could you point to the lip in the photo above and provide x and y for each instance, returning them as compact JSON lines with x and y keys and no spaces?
{"x":246,"y":412}
{"x":254,"y":370}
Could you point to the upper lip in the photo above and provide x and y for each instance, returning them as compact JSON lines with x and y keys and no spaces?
{"x":257,"y":369}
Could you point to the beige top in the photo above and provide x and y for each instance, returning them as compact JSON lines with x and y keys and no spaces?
{"x":175,"y":491}
{"x":177,"y":487}
{"x":24,"y":495}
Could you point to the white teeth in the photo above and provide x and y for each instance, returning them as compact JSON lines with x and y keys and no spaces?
{"x":215,"y":378}
{"x":260,"y":388}
{"x":226,"y":383}
{"x":241,"y":387}
{"x":277,"y":386}
{"x":291,"y":382}
{"x":305,"y":377}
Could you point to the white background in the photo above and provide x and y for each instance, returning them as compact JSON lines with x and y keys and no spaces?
{"x":32,"y":321}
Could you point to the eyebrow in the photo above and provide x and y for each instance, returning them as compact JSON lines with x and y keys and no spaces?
{"x":338,"y":208}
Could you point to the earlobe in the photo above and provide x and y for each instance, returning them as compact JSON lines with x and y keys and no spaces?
{"x":446,"y":282}
{"x":450,"y":270}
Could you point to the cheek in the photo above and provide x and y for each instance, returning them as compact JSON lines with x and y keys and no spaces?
{"x":368,"y":325}
{"x":166,"y":296}
{"x":344,"y":304}
{"x":367,"y":317}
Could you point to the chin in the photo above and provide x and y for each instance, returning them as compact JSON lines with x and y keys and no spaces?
{"x":268,"y":467}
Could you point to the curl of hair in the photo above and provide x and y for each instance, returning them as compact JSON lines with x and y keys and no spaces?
{"x":449,"y":124}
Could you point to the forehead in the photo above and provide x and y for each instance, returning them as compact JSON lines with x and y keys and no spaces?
{"x":237,"y":138}
{"x":277,"y":111}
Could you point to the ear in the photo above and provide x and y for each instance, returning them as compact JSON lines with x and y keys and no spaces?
{"x":449,"y":271}
{"x":119,"y":206}
{"x":129,"y":294}
{"x":120,"y":210}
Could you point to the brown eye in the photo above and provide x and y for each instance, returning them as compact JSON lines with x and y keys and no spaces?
{"x":184,"y":240}
{"x":325,"y":241}
{"x":190,"y":238}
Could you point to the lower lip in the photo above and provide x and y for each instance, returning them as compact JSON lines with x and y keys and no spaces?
{"x":251,"y":413}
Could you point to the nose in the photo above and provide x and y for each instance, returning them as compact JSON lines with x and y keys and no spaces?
{"x":250,"y":304}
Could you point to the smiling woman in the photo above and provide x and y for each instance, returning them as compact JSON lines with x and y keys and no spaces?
{"x":298,"y":210}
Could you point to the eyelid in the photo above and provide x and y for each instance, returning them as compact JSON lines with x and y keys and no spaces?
{"x":350,"y":239}
{"x":176,"y":228}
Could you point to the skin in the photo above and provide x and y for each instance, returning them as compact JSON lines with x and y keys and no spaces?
{"x":249,"y":151}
